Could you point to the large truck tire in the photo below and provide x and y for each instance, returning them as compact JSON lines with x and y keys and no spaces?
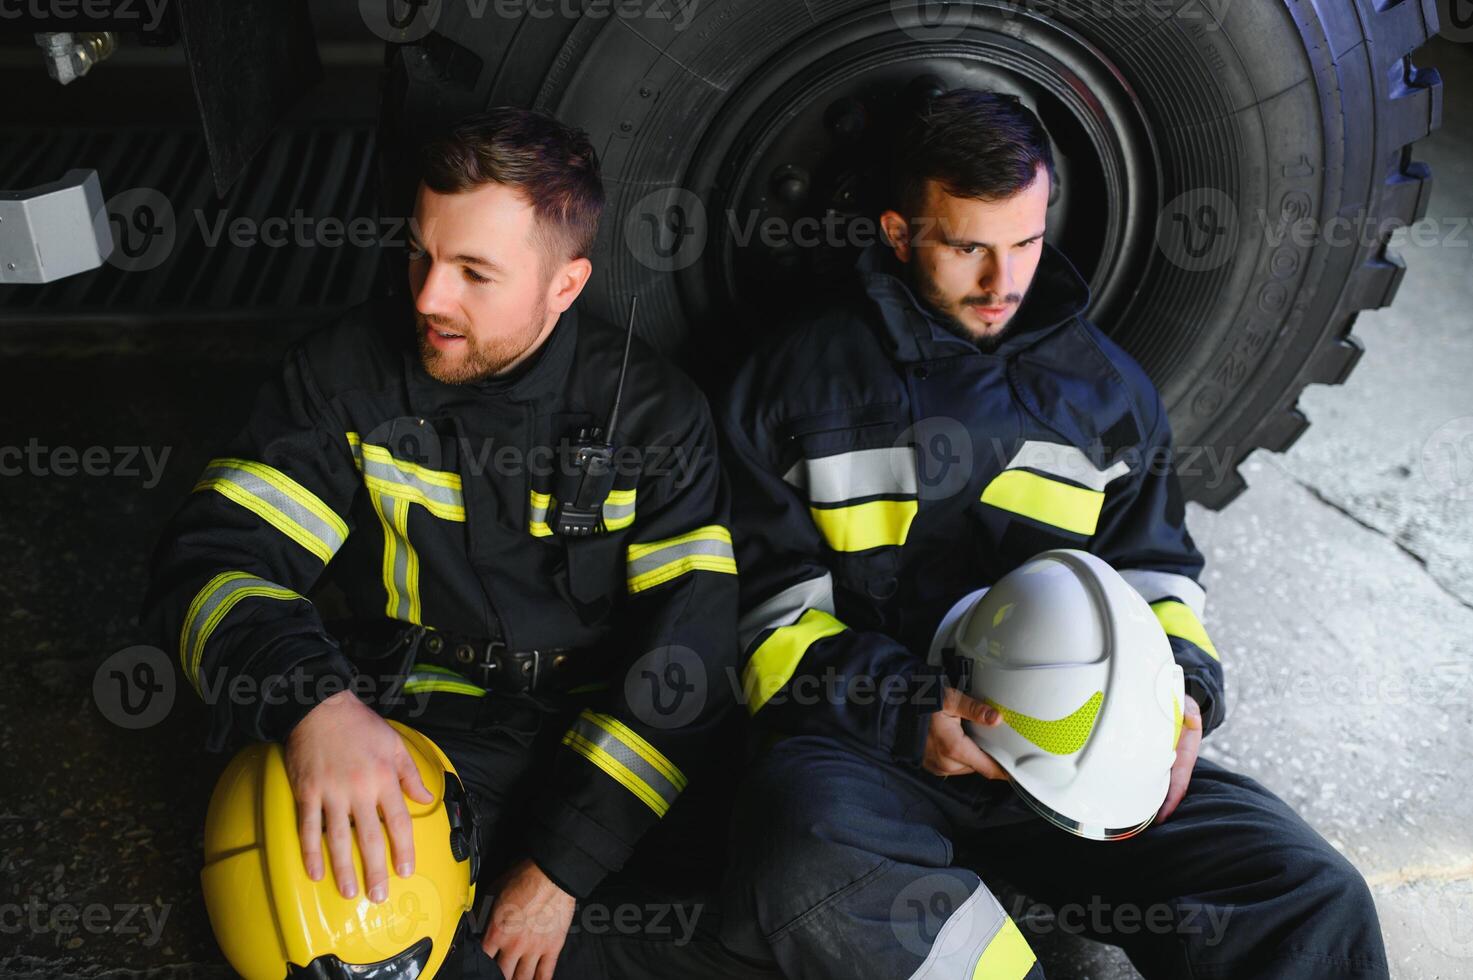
{"x":1230,"y":171}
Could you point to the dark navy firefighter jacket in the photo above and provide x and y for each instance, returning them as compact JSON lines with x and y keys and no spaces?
{"x":882,"y":468}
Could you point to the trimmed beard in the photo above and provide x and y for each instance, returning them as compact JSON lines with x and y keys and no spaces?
{"x":931,"y":296}
{"x":481,"y":361}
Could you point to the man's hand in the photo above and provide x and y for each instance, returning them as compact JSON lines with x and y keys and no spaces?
{"x":950,"y":751}
{"x":1186,"y":757}
{"x":345,"y":762}
{"x":529,"y":923}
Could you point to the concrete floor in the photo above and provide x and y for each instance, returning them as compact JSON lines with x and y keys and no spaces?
{"x":1345,"y":569}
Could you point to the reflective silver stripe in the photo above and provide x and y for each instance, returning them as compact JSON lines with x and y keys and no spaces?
{"x":412,"y":483}
{"x":269,"y":501}
{"x":785,"y":608}
{"x":1069,"y":462}
{"x":1154,"y":586}
{"x":617,"y":512}
{"x":963,"y":940}
{"x":628,"y":758}
{"x":862,"y":473}
{"x":540,"y":503}
{"x":675,"y":552}
{"x":210,"y":607}
{"x":402,"y":555}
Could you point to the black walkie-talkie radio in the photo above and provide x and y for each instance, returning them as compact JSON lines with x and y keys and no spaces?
{"x":593,"y":464}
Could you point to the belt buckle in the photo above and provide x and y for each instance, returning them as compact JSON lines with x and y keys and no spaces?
{"x":527,"y":668}
{"x":489,"y":665}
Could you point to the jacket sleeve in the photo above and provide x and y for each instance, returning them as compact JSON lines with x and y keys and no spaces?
{"x":229,"y":576}
{"x":1143,"y":535}
{"x":804,"y":670}
{"x":625,"y":760}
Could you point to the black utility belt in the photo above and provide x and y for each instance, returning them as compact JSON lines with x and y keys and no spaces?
{"x":492,"y":665}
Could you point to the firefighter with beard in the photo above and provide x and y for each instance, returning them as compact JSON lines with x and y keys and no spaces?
{"x":553,"y":588}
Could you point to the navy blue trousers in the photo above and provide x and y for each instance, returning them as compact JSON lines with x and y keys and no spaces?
{"x":849,"y":866}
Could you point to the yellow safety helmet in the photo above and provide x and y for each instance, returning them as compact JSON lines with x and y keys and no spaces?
{"x":274,"y":922}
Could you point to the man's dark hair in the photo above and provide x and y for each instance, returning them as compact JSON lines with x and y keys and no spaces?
{"x":552,"y":164}
{"x":982,"y":145}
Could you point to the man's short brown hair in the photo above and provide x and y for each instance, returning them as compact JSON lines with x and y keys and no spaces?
{"x":552,"y":164}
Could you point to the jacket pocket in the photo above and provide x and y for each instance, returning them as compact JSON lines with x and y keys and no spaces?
{"x":596,"y":575}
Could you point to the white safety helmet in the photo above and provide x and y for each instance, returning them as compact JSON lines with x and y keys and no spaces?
{"x":1081,"y":671}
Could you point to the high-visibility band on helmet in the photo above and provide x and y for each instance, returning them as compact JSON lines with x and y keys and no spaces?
{"x":626,"y":757}
{"x":1178,"y":620}
{"x":657,"y":562}
{"x":1059,"y":736}
{"x":279,"y":501}
{"x":212,"y":604}
{"x":776,"y":659}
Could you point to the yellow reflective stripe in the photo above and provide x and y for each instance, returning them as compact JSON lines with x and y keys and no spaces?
{"x":706,"y":548}
{"x":429,"y":677}
{"x":215,"y":600}
{"x":410,"y":584}
{"x":618,"y":509}
{"x":1007,"y":956}
{"x":267,"y":492}
{"x":616,"y":769}
{"x":436,"y":491}
{"x":1178,"y":619}
{"x":1060,"y":736}
{"x":1047,"y":501}
{"x":637,"y":743}
{"x":537,"y":519}
{"x":776,"y":658}
{"x":860,"y":527}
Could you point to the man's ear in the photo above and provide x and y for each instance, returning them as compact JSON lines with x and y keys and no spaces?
{"x":567,"y":283}
{"x":897,"y":234}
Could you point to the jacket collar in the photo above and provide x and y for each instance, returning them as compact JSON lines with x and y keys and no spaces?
{"x":1058,"y":295}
